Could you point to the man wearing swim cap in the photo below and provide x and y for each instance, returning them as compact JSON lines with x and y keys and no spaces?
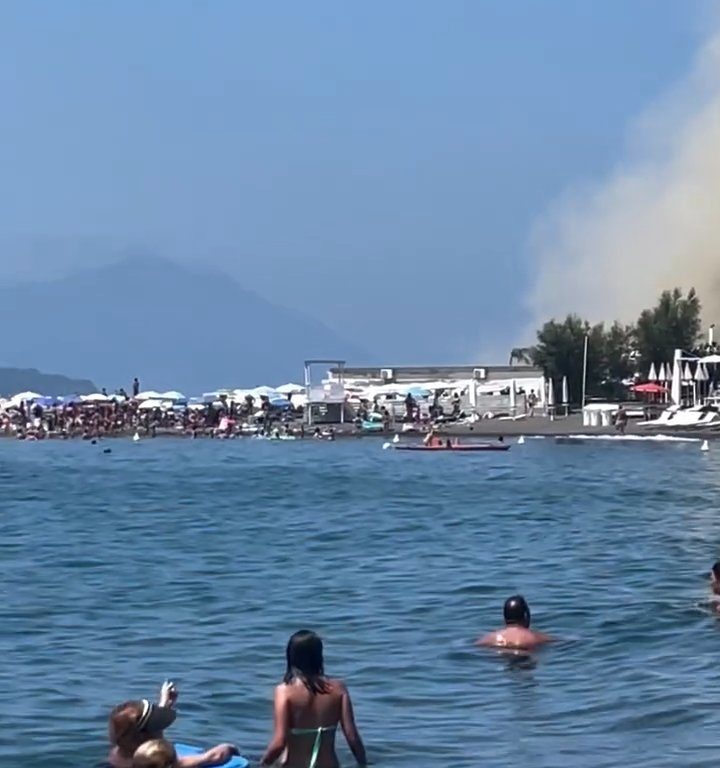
{"x":516,"y":635}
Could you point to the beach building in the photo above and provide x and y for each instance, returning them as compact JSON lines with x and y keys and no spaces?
{"x":481,"y":389}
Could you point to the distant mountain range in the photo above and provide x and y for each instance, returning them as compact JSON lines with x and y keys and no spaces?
{"x":16,"y":380}
{"x":172,"y":327}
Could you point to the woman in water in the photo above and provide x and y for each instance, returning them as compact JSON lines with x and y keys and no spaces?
{"x":308,"y":708}
{"x":136,"y":722}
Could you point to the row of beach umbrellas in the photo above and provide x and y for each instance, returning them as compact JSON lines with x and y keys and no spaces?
{"x":665,"y":373}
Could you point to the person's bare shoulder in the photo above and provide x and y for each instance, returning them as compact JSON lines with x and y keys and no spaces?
{"x":492,"y":640}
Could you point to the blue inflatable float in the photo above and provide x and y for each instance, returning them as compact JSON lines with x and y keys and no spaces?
{"x":185,"y":750}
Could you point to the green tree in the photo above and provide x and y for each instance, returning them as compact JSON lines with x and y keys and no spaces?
{"x":619,"y":358}
{"x":673,"y":323}
{"x":560,"y":352}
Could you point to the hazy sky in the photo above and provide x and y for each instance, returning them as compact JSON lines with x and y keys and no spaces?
{"x":378,"y":164}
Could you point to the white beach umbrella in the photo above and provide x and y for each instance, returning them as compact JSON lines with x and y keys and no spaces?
{"x":173,"y":395}
{"x":96,"y":397}
{"x":23,"y":397}
{"x":551,"y":393}
{"x":148,"y":405}
{"x":290,"y":389}
{"x":565,"y":391}
{"x":662,"y":376}
{"x":687,"y":374}
{"x":676,"y":386}
{"x":652,"y":376}
{"x":150,"y":394}
{"x":701,"y":373}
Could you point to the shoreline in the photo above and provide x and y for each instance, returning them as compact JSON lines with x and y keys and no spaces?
{"x":538,"y":426}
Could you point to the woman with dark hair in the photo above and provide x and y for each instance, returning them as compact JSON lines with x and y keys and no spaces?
{"x":308,"y":708}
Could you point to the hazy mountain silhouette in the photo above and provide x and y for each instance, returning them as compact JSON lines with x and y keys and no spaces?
{"x":170,"y":326}
{"x":16,"y":380}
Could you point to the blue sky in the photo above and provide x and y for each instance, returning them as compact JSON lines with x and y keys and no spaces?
{"x":376,"y":164}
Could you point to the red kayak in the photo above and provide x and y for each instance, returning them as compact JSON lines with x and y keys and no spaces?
{"x":462,"y":448}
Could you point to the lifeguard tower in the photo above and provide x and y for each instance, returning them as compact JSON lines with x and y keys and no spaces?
{"x":326,"y":401}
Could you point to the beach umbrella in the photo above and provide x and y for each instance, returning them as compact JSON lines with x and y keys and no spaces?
{"x":676,"y":386}
{"x":661,"y":373}
{"x":652,"y":376}
{"x":649,"y":388}
{"x":23,"y":397}
{"x":279,"y":402}
{"x":96,"y":397}
{"x":149,"y":405}
{"x":551,"y":393}
{"x":290,"y":389}
{"x":565,"y":391}
{"x":174,"y":395}
{"x":150,"y":394}
{"x":701,"y":373}
{"x":687,"y":374}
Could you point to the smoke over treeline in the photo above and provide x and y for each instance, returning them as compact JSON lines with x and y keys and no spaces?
{"x":608,"y":251}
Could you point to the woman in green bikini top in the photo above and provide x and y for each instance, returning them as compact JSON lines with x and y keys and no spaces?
{"x":308,"y":709}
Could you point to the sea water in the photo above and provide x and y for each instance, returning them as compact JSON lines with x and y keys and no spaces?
{"x":195,"y":560}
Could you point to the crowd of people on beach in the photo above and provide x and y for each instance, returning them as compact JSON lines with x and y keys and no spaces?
{"x":122,"y":414}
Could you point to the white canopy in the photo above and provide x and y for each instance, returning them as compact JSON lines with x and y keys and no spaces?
{"x":290,"y":389}
{"x":173,"y":395}
{"x":24,"y":397}
{"x":96,"y":397}
{"x":150,"y":394}
{"x":715,"y":359}
{"x":148,"y":405}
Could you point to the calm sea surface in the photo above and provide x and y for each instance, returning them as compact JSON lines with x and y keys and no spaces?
{"x":195,"y":560}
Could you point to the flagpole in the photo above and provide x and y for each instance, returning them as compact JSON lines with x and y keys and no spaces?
{"x":585,"y":358}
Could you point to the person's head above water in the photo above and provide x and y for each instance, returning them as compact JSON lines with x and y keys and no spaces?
{"x":135,"y":722}
{"x":715,"y":578}
{"x":304,"y":655}
{"x":157,"y":753}
{"x":516,"y":612}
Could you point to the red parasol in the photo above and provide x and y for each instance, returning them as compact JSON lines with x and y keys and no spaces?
{"x":649,"y":388}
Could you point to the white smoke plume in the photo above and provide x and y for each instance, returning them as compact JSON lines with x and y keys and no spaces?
{"x":607,"y":252}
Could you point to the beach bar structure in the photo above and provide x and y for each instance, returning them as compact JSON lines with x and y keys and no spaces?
{"x":483,"y":389}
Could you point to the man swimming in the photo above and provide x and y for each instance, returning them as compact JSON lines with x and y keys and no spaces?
{"x":516,"y":634}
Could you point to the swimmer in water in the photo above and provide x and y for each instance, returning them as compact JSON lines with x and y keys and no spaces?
{"x":715,"y":579}
{"x":516,"y":635}
{"x":714,"y":602}
{"x":135,"y":723}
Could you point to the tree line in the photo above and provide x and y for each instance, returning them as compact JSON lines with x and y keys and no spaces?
{"x":618,"y":352}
